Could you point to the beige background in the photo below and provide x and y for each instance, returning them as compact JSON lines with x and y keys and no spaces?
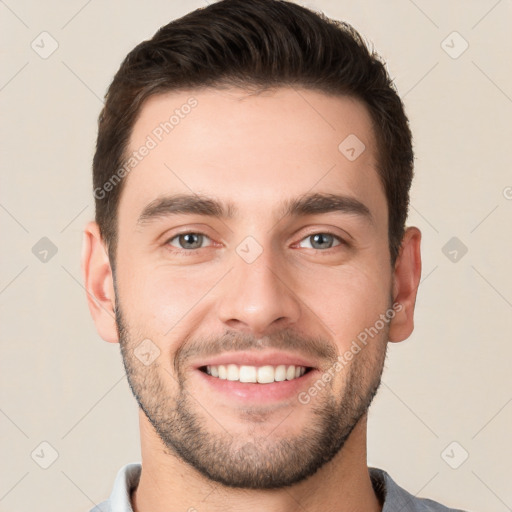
{"x":450,"y":382}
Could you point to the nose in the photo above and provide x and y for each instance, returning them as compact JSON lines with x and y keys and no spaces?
{"x":259,"y":296}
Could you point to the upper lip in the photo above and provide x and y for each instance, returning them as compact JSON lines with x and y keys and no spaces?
{"x":252,"y":358}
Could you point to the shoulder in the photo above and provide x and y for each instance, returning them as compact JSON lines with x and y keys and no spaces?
{"x":395,"y":497}
{"x":104,"y":506}
{"x":126,"y":481}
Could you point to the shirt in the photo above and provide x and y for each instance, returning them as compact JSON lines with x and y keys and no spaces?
{"x":393,"y":497}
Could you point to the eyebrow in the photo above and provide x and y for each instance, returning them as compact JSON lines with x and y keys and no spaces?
{"x":200,"y":204}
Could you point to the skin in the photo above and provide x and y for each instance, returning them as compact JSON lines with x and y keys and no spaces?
{"x":255,"y":151}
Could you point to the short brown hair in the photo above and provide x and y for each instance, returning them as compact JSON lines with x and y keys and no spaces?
{"x":255,"y":44}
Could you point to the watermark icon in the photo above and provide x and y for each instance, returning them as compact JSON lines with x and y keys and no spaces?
{"x":351,"y":147}
{"x":249,"y":450}
{"x":344,"y":359}
{"x":44,"y":45}
{"x":249,"y":249}
{"x":454,"y":45}
{"x":44,"y":455}
{"x":44,"y":250}
{"x":152,"y":140}
{"x":146,"y":352}
{"x":454,"y":455}
{"x":454,"y":249}
{"x":507,"y":193}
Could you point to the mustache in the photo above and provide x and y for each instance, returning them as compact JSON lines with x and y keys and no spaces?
{"x":234,"y":341}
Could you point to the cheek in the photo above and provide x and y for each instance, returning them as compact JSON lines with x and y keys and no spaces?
{"x":349,"y":299}
{"x":162,"y":300}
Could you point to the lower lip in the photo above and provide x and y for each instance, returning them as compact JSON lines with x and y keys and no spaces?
{"x":263,"y":393}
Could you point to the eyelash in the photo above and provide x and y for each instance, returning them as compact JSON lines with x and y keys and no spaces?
{"x":188,"y":252}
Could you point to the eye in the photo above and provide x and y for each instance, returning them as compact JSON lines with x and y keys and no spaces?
{"x":188,"y":241}
{"x":321,"y":241}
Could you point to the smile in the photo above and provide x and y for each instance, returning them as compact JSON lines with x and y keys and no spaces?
{"x":255,"y":374}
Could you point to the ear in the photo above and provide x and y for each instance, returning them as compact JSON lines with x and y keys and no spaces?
{"x":98,"y":282}
{"x":406,"y":279}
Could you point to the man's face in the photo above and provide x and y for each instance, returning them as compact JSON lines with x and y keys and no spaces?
{"x":251,"y":294}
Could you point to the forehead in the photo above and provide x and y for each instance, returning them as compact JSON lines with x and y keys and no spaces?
{"x":251,"y":150}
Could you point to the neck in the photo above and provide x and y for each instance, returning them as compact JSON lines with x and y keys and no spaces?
{"x":168,"y":483}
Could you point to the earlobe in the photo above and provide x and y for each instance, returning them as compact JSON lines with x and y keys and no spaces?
{"x":406,"y":278}
{"x":98,"y":282}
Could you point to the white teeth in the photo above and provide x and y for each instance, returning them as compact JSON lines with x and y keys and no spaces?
{"x":261,"y":374}
{"x":280,"y":373}
{"x":248,"y":374}
{"x":232,"y":372}
{"x":265,"y":374}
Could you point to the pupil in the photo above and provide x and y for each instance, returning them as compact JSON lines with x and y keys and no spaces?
{"x":191,"y":239}
{"x":321,"y":238}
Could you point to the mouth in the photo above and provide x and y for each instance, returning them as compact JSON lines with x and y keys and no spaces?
{"x":266,"y":374}
{"x":256,"y":377}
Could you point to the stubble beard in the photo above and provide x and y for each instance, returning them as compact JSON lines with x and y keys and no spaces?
{"x":256,"y":461}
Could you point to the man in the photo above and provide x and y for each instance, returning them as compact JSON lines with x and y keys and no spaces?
{"x":273,"y":142}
